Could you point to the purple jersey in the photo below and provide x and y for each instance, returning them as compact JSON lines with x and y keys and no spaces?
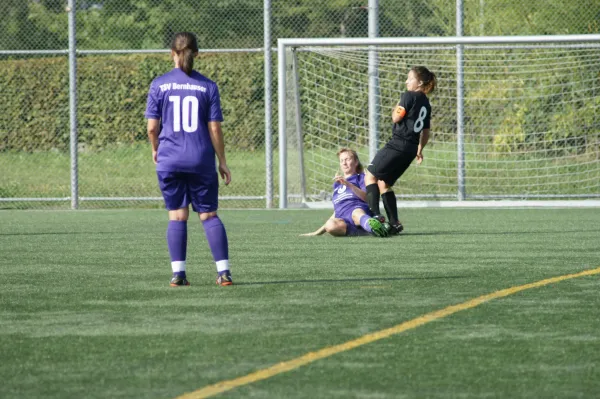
{"x":184,"y":105}
{"x":344,"y":199}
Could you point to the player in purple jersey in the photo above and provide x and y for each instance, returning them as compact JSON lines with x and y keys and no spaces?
{"x":184,"y":128}
{"x":351,"y":215}
{"x":410,"y":133}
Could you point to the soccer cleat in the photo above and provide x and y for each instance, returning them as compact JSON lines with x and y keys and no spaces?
{"x":381,"y":218}
{"x":396,"y":228}
{"x":224,"y":278}
{"x":178,"y":282}
{"x":388,"y":228}
{"x":378,"y":228}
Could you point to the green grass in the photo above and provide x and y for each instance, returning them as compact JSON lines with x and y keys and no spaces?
{"x":122,"y":171}
{"x":115,"y":172}
{"x":86,"y":311}
{"x":127,"y":171}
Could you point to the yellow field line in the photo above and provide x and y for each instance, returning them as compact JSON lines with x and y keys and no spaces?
{"x":310,"y":357}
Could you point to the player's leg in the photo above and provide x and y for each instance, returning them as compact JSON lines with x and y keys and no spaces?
{"x":174,"y":192}
{"x":388,"y":197}
{"x":373,"y":194}
{"x":380,"y":169}
{"x":219,"y":245}
{"x":403,"y":158}
{"x":177,"y":243}
{"x":391,"y":210}
{"x":204,"y":197}
{"x":368,"y":223}
{"x":336,"y":227}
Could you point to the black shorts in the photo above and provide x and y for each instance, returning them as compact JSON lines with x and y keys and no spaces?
{"x":392,"y":161}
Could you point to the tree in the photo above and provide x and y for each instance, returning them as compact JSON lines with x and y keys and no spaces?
{"x":31,"y":26}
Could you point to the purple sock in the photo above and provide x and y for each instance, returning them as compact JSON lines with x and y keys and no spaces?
{"x":363,"y":222}
{"x":177,"y":240}
{"x":217,"y":238}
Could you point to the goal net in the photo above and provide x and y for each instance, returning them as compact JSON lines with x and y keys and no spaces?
{"x":530,"y":119}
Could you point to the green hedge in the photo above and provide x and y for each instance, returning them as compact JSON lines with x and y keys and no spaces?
{"x":561,"y":115}
{"x":111,"y":99}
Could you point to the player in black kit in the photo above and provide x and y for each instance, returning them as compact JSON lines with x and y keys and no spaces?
{"x":411,"y":119}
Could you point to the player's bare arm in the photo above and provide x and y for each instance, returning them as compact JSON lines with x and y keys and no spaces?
{"x":359,"y":193}
{"x":216,"y":137}
{"x":153,"y":132}
{"x":398,"y":113}
{"x":422,"y":143}
{"x":320,"y":231}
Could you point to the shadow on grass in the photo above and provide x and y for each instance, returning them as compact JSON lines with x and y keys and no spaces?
{"x":351,"y":280}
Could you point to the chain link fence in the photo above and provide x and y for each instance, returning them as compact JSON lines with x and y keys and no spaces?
{"x":122,"y":46}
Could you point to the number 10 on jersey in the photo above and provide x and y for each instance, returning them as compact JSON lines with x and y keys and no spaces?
{"x":185,"y":111}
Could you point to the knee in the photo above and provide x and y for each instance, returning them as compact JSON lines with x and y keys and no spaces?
{"x":369,"y":178}
{"x":335,"y":227}
{"x":383,"y":186}
{"x":357,"y":214}
{"x":179,"y":215}
{"x":206,"y":215}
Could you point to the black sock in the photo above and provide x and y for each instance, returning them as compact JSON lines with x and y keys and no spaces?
{"x":391,"y":208}
{"x":373,"y":198}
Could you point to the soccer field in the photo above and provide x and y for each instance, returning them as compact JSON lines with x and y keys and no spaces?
{"x":86,"y":310}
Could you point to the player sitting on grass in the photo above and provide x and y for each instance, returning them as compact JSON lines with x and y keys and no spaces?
{"x":351,"y":216}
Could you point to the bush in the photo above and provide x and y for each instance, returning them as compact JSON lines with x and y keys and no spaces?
{"x":111,"y":99}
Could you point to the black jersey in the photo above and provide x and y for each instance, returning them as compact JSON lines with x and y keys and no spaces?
{"x":417,"y":118}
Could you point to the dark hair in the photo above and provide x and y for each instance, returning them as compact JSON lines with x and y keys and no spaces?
{"x":359,"y":167}
{"x":427,"y":78}
{"x":185,"y":45}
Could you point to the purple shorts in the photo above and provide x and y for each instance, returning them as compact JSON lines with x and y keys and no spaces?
{"x":180,"y":189}
{"x":353,"y":230}
{"x":345,"y":213}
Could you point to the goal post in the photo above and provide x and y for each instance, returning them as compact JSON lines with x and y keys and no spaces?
{"x":515,"y":120}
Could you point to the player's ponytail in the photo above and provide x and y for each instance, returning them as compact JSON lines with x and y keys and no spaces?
{"x":427,"y":78}
{"x":185,"y":45}
{"x":187,"y":62}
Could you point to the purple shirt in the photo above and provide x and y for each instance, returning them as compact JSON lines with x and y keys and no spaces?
{"x":344,"y":199}
{"x":184,"y":105}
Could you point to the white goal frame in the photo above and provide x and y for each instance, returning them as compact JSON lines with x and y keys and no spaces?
{"x":284,"y":45}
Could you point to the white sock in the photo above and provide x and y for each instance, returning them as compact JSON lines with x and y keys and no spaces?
{"x":178,"y":266}
{"x":222,"y":265}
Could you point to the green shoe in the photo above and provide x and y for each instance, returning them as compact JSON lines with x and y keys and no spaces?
{"x":377,"y":228}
